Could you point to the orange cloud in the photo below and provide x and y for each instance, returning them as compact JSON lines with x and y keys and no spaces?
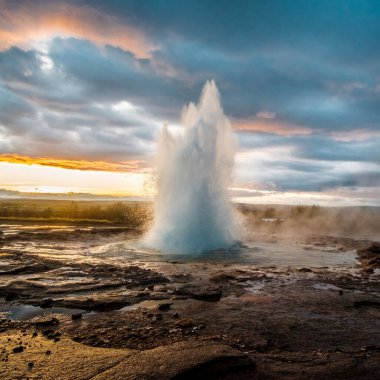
{"x":268,"y":126}
{"x":129,"y":166}
{"x":31,"y":22}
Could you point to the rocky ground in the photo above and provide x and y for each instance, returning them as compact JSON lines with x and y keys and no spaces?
{"x":72,"y":316}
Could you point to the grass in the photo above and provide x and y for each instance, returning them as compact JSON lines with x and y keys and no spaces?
{"x":279,"y":219}
{"x":55,"y":220}
{"x":133,"y":214}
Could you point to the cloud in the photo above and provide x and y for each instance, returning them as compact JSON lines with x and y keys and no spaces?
{"x":63,"y":114}
{"x":277,"y":128}
{"x":340,"y":30}
{"x":355,"y":135}
{"x":299,"y":87}
{"x":285,"y":169}
{"x":92,"y":82}
{"x":33,"y":23}
{"x":335,"y":150}
{"x":266,"y":115}
{"x":133,"y":165}
{"x":242,"y":192}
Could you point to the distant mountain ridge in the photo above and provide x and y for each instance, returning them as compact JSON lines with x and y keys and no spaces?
{"x":14,"y":194}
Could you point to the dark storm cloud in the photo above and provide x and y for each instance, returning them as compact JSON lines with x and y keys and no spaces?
{"x":321,"y":148}
{"x":299,"y":166}
{"x":309,"y":182}
{"x":248,"y":25}
{"x":109,"y":74}
{"x":68,"y":106}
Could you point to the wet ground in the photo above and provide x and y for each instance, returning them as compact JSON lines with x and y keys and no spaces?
{"x":304,"y":308}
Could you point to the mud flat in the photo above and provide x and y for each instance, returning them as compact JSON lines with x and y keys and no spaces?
{"x":81,"y":303}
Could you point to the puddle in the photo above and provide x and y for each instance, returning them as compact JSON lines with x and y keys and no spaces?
{"x":25,"y":312}
{"x":255,"y":287}
{"x":322,"y":286}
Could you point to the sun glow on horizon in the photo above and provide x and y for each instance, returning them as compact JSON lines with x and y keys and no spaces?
{"x":127,"y":166}
{"x":35,"y":178}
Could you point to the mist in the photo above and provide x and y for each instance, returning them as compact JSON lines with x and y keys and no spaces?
{"x":301,"y":221}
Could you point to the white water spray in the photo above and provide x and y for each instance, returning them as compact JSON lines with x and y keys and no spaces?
{"x":193,"y":212}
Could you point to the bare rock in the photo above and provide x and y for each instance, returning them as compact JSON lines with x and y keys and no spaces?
{"x":46,"y":303}
{"x":199,"y":292}
{"x":46,"y":321}
{"x":164,"y":306}
{"x":370,"y":256}
{"x":18,"y":349}
{"x":185,"y":323}
{"x":184,"y":361}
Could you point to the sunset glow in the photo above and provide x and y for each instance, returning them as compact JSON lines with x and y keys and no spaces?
{"x":49,"y":179}
{"x":36,"y":24}
{"x":130,"y":166}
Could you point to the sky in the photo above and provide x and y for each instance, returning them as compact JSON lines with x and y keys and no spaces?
{"x":85,"y":87}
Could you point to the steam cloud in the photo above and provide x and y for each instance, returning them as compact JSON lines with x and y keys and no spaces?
{"x":193,"y":213}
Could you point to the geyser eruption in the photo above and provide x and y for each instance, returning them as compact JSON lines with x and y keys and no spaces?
{"x":193,"y":212}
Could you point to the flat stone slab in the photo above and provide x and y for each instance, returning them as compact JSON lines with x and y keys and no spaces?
{"x":181,"y":361}
{"x":42,"y":358}
{"x":35,"y":356}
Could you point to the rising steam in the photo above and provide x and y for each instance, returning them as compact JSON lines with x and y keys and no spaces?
{"x":193,"y":213}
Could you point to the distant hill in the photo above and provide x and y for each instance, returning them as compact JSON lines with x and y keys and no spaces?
{"x":13,"y":194}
